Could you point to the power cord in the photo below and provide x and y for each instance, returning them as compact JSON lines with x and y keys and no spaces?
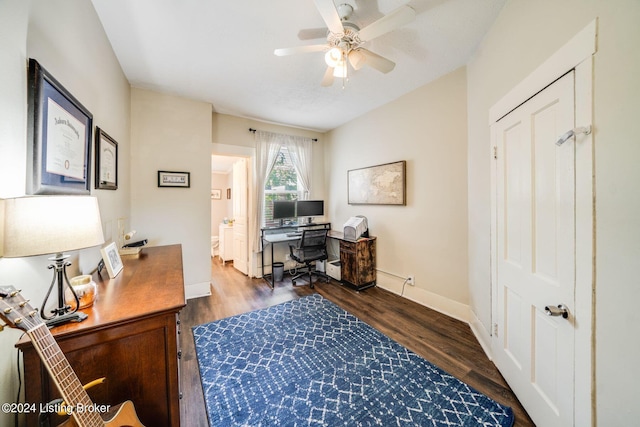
{"x":403,"y":285}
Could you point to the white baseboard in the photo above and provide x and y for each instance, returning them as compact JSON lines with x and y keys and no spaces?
{"x":445,"y":306}
{"x":197,"y":290}
{"x":482,"y":335}
{"x":434,"y":301}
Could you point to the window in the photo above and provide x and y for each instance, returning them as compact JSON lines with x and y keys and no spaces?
{"x":282,"y":184}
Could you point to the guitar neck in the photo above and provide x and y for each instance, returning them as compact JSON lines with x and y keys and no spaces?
{"x":65,"y":379}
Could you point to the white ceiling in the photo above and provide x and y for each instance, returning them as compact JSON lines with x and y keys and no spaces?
{"x":223,"y":164}
{"x":221,"y":52}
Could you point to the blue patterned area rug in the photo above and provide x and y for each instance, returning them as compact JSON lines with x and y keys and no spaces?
{"x":307,"y":362}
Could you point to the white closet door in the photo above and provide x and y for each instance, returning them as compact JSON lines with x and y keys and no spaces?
{"x":535,"y":193}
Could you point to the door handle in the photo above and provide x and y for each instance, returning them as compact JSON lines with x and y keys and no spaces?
{"x":560,"y":310}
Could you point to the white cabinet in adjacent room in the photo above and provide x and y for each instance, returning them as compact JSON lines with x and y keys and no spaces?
{"x":225,"y":250}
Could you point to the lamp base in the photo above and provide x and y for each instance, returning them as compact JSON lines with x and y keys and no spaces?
{"x":78,"y":316}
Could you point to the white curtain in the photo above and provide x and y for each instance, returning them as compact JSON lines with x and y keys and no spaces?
{"x":267,"y":148}
{"x":300,"y":152}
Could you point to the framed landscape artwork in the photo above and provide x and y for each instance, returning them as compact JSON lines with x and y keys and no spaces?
{"x":378,"y":185}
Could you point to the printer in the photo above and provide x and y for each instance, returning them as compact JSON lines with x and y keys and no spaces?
{"x":355,"y":228}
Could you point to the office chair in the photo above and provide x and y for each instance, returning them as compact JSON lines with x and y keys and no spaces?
{"x":311,"y":247}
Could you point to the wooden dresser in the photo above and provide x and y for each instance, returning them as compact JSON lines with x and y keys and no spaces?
{"x":130,"y":337}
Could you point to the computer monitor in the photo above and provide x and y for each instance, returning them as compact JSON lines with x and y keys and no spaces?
{"x":309,"y":208}
{"x":283,"y":209}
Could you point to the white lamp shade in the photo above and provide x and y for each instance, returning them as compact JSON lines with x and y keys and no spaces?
{"x":42,"y":225}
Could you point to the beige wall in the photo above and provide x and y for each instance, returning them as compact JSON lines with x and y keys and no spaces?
{"x":427,"y":237}
{"x":173,"y":134}
{"x":66,"y":37}
{"x":525,"y":34}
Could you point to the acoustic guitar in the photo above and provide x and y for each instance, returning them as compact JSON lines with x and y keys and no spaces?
{"x":17,"y":313}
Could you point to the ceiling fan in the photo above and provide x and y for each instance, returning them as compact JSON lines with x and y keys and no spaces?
{"x":345,"y":40}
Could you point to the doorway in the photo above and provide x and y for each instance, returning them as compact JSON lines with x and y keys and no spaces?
{"x":231,"y":208}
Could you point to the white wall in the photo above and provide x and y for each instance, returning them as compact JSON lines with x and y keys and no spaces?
{"x":427,"y":237}
{"x":525,"y":34}
{"x":66,"y":37}
{"x":173,"y":134}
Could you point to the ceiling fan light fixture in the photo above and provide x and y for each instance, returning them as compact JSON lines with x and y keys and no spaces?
{"x":345,"y":40}
{"x":340,"y":70}
{"x":333,"y":57}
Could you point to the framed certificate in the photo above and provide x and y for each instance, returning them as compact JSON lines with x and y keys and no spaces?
{"x":106,"y":161}
{"x":59,"y":131}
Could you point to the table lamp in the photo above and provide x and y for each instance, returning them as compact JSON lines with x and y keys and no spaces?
{"x":41,"y":225}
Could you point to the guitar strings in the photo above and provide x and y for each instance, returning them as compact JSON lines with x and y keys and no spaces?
{"x":34,"y":323}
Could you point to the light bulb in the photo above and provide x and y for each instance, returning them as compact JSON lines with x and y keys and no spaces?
{"x":333,"y":56}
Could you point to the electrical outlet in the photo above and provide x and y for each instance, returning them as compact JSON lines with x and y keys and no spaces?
{"x":411,"y":280}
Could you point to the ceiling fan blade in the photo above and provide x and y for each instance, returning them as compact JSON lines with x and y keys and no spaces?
{"x":376,"y":61}
{"x":357,"y":59}
{"x":300,"y":49}
{"x":396,"y":19}
{"x":327,"y":80}
{"x":313,"y":33}
{"x":330,"y":15}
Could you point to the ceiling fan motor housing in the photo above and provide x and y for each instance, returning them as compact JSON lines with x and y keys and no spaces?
{"x":344,"y":11}
{"x":346,"y":41}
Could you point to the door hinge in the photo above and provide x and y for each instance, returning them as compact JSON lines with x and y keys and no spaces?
{"x":495,"y":152}
{"x":495,"y":330}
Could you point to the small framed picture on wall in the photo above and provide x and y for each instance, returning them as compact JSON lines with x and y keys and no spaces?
{"x":174,"y":179}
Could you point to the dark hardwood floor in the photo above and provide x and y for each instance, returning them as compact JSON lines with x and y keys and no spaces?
{"x":445,"y":342}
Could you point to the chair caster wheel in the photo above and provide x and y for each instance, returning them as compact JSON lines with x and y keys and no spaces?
{"x":311,"y":286}
{"x":293,"y":282}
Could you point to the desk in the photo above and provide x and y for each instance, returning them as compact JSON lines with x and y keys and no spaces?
{"x":357,"y":258}
{"x":273,"y":235}
{"x":130,"y":337}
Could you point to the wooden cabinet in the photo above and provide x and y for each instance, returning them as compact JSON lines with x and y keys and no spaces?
{"x":358,"y":262}
{"x":225,"y":250}
{"x":130,"y":337}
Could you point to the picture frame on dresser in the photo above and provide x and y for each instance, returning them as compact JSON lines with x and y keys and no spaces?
{"x":112,"y":260}
{"x":59,"y":132}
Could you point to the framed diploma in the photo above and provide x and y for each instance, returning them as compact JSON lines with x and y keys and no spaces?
{"x":106,"y":161}
{"x":59,"y":131}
